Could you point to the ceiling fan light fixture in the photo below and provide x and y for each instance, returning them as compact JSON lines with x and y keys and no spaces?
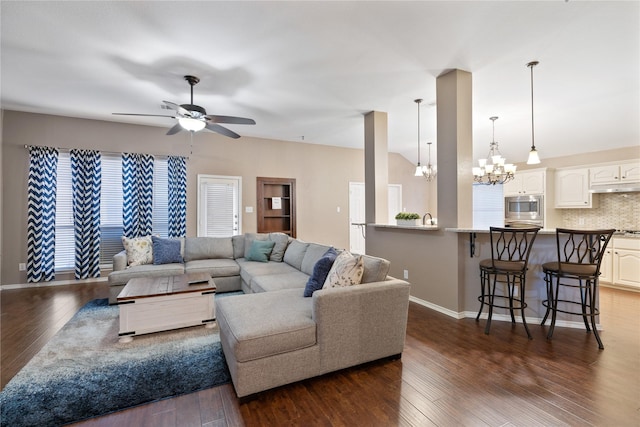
{"x":193,"y":125}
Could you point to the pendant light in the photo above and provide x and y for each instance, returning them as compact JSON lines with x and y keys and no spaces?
{"x":533,"y":159}
{"x":493,"y":170}
{"x":429,"y":171}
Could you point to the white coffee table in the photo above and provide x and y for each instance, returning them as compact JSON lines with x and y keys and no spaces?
{"x":153,"y":304}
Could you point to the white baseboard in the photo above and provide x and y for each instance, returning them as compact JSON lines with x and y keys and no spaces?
{"x":52,"y":283}
{"x":498,"y":317}
{"x":437,"y":308}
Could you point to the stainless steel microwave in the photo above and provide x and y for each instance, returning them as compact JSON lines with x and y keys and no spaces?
{"x":524,"y":208}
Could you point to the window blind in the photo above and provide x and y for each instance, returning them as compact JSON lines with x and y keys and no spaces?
{"x":488,"y":206}
{"x":110,"y":209}
{"x":219,"y":203}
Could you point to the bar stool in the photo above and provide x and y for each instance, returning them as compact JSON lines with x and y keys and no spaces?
{"x":510,"y":249}
{"x":577,"y":267}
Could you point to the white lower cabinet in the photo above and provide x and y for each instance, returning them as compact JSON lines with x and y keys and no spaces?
{"x":606,"y":266}
{"x":621,"y":263}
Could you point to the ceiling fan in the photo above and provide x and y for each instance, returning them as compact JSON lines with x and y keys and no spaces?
{"x":194,"y":118}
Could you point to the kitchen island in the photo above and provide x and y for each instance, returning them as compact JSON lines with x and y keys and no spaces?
{"x":477,"y":242}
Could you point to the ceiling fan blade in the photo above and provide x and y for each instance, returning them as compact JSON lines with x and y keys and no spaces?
{"x":143,"y":115}
{"x":222,"y":130}
{"x":230,"y":119}
{"x":175,"y":129}
{"x":178,"y":108}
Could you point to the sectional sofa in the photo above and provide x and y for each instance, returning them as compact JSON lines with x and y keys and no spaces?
{"x":272,"y":334}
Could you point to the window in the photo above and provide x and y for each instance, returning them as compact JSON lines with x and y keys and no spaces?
{"x":110,"y":209}
{"x":488,"y":206}
{"x":219,"y":206}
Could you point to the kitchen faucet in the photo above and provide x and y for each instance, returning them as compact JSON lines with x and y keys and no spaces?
{"x":430,"y":218}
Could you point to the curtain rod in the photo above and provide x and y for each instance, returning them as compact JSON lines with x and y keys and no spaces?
{"x":65,"y":149}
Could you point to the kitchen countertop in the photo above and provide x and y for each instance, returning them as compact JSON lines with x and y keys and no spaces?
{"x":617,"y":234}
{"x":409,"y":227}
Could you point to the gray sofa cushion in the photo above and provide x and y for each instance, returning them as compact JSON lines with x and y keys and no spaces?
{"x":121,"y":277}
{"x":215,"y":267}
{"x":266,"y":324}
{"x":295,"y":253}
{"x":249,"y":269}
{"x":282,"y":241}
{"x":238,"y":246}
{"x":249,"y":238}
{"x":312,"y":255}
{"x":208,"y":248}
{"x":375,"y":269}
{"x":277,"y":282}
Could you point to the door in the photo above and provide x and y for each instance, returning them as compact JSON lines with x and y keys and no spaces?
{"x":357,"y":226}
{"x":219,"y":199}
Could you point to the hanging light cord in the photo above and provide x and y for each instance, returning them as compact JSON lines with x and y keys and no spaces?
{"x":533,"y":144}
{"x":418,"y":101}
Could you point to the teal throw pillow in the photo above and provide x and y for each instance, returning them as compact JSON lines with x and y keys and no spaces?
{"x":260,"y":250}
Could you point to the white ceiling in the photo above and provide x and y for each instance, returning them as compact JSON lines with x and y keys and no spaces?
{"x":308,"y":71}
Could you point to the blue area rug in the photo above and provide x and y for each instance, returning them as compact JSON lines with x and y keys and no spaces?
{"x":85,"y":372}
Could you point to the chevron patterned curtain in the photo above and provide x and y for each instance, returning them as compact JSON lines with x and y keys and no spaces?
{"x":41,"y":213}
{"x":177,"y":177}
{"x":86,"y":177}
{"x":137,"y":197}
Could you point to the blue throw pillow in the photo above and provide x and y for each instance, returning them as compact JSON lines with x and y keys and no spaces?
{"x":260,"y":250}
{"x":166,"y":251}
{"x":320,"y":272}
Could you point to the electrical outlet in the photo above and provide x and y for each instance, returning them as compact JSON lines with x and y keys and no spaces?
{"x":338,"y":209}
{"x":22,"y":266}
{"x":581,"y":221}
{"x":406,"y":274}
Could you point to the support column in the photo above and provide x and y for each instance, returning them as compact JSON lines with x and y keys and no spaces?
{"x":376,"y":168}
{"x":455,"y":149}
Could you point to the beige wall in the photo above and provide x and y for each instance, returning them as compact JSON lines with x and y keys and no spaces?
{"x":1,"y":223}
{"x":322,"y":173}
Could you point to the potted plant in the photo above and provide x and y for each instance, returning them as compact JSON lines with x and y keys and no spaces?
{"x":407,"y":218}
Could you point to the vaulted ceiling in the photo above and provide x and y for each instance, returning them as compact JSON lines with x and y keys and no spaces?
{"x":308,"y":71}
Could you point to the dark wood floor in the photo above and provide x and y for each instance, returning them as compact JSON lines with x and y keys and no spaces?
{"x":450,"y":373}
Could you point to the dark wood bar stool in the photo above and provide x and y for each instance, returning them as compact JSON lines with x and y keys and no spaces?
{"x":510,"y":249}
{"x":577,"y":267}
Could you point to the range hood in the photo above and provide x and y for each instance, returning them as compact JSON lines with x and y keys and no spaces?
{"x":625,"y":187}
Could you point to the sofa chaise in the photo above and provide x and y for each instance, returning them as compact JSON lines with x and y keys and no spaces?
{"x":273,"y":335}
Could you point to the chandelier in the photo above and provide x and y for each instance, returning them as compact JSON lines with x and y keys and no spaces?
{"x":493,"y":169}
{"x":429,"y":171}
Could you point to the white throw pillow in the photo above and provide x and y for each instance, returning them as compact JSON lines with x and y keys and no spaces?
{"x":139,"y":250}
{"x":347,"y":270}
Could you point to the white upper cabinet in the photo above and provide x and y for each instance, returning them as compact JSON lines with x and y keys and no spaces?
{"x":572,"y":189}
{"x":615,"y":174}
{"x":630,"y":172}
{"x":525,"y":183}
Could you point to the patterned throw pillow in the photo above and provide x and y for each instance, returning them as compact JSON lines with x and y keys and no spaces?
{"x":139,"y":250}
{"x":347,"y":270}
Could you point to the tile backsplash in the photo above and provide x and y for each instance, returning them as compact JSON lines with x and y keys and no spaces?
{"x":617,"y":210}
